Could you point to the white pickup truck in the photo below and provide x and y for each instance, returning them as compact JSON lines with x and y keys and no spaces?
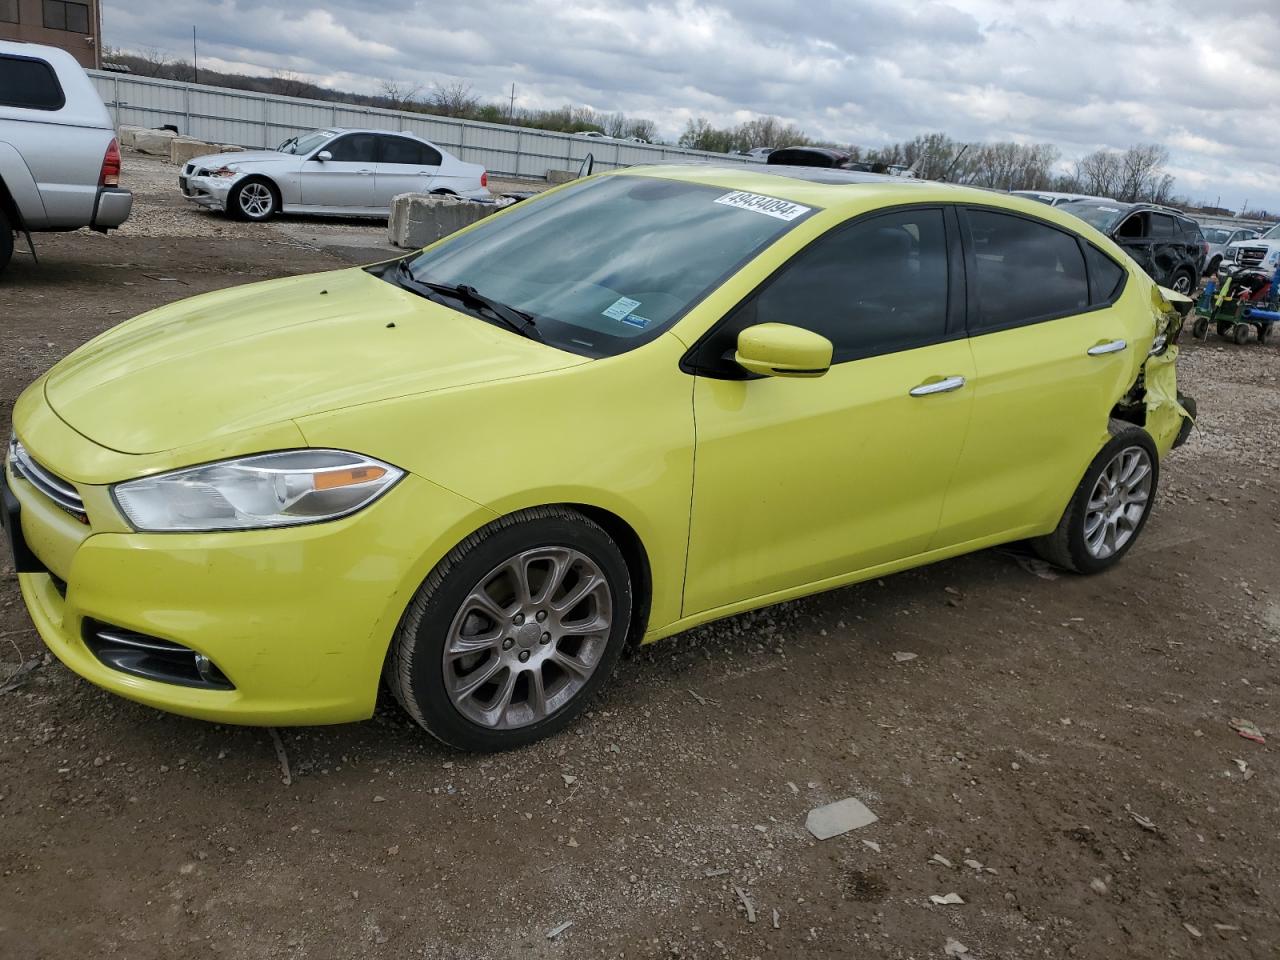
{"x":59,"y":159}
{"x":1260,"y":253}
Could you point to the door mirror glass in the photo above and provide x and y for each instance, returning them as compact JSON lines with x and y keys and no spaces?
{"x":324,"y":155}
{"x":588,"y":164}
{"x":781,"y":350}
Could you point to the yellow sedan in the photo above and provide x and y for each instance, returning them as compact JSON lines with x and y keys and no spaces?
{"x":632,"y":405}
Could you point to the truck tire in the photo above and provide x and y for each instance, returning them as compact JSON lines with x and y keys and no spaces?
{"x":6,"y":240}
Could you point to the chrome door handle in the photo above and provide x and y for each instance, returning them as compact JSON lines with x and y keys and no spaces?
{"x":364,"y":173}
{"x":946,"y":385}
{"x":1102,"y":349}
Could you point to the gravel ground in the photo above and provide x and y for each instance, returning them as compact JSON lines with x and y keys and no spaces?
{"x":1058,"y":752}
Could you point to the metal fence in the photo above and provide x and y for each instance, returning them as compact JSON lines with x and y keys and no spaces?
{"x":248,"y":119}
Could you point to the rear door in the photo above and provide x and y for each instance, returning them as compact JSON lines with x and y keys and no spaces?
{"x":405,"y":165}
{"x":346,"y":180}
{"x":1052,"y":354}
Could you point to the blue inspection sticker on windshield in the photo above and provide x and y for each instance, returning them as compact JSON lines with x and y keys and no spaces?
{"x":758,"y":203}
{"x":635,"y":320}
{"x":621,"y":307}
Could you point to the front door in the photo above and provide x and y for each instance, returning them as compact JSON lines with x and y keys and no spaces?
{"x":347,"y":178}
{"x":1051,"y":356}
{"x":797,"y":481}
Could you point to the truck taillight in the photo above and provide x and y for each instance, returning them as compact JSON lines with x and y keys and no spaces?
{"x":484,"y":178}
{"x":110,"y":175}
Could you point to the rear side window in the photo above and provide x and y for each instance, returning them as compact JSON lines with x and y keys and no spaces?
{"x":1162,"y":227}
{"x":1190,"y":231}
{"x":29,"y":83}
{"x":1106,"y":277}
{"x":1025,"y":271}
{"x":406,"y":151}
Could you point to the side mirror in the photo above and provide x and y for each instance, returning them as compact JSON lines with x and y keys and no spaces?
{"x":324,"y":155}
{"x":781,"y":350}
{"x":588,"y":164}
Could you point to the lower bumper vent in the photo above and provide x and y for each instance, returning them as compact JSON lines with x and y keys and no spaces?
{"x":152,"y":658}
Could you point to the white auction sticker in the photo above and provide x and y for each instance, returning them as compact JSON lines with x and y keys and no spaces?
{"x":770,"y":206}
{"x":621,"y":308}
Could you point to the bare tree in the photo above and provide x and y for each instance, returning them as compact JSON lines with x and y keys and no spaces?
{"x":401,"y":95}
{"x":287,"y":83}
{"x":152,"y":62}
{"x":1100,"y":173}
{"x":454,"y":100}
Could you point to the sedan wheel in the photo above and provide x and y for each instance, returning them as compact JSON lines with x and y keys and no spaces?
{"x":1182,"y":283}
{"x":514,"y":631}
{"x":254,"y":200}
{"x":1118,"y":503}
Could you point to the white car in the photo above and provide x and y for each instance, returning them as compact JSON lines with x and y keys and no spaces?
{"x":334,"y":172}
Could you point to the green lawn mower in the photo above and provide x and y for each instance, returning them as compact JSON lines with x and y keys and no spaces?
{"x":1247,"y":300}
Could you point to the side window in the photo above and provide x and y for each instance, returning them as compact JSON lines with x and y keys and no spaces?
{"x":1026,"y":271}
{"x":1132,"y":229}
{"x":355,"y":148}
{"x":8,"y":11}
{"x":1162,"y":227}
{"x":30,"y":84}
{"x":64,"y":15}
{"x":1106,"y":277}
{"x":410,"y":152}
{"x":873,"y":287}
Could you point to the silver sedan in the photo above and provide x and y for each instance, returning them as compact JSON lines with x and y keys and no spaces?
{"x":332,"y":172}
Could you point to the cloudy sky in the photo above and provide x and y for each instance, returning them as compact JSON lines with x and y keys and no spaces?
{"x":1195,"y":76}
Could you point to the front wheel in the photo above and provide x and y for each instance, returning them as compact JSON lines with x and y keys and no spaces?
{"x":254,"y":200}
{"x":1110,"y":506}
{"x":1183,"y":282}
{"x":1264,"y":332}
{"x":1241,"y":334}
{"x":1200,"y":329}
{"x":514,"y":631}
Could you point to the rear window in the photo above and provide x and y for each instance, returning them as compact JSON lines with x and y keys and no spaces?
{"x":1106,"y":277}
{"x":1217,"y":235}
{"x":29,"y":83}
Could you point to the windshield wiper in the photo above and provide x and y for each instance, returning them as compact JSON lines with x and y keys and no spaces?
{"x":514,"y":319}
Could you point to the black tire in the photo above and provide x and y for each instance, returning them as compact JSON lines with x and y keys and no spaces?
{"x":1213,"y":266}
{"x":1264,"y":332}
{"x":255,"y":199}
{"x":1200,"y":329}
{"x":1225,"y":329}
{"x":6,"y":241}
{"x":1185,"y":277}
{"x":1240,"y":334}
{"x":1066,"y":547}
{"x":415,"y":669}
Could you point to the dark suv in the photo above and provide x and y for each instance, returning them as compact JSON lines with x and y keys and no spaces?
{"x":1166,"y":244}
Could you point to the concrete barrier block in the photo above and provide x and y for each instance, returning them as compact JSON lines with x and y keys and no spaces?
{"x":125,"y":133}
{"x":182,"y":149}
{"x":419,"y":219}
{"x":561,"y":176}
{"x":155,"y":142}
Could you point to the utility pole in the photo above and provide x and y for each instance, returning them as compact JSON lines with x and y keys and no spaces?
{"x":195,"y":55}
{"x":511,"y":110}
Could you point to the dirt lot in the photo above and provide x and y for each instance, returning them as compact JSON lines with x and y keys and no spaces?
{"x":1071,"y":736}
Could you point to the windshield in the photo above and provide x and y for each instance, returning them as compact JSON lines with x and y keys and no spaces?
{"x":1273,"y":233}
{"x":1216,"y":234}
{"x":607,"y":264}
{"x":305,"y":143}
{"x":1103,"y":216}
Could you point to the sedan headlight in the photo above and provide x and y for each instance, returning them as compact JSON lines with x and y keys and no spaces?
{"x":265,"y":490}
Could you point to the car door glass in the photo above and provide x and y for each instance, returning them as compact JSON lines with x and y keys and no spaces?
{"x":1131,"y":229}
{"x":1026,"y":271}
{"x":874,"y":287}
{"x":408,"y":152}
{"x":1162,"y":227}
{"x":354,"y":148}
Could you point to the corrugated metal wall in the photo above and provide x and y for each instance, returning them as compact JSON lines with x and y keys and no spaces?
{"x":221,"y":115}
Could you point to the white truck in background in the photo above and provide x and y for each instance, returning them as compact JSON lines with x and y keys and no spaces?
{"x":59,"y":159}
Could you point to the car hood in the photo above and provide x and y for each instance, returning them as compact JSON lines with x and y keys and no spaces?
{"x":229,"y":361}
{"x":215,"y":160}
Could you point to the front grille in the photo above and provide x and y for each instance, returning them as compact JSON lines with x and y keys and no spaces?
{"x":50,"y":484}
{"x":1252,"y":256}
{"x":152,"y":657}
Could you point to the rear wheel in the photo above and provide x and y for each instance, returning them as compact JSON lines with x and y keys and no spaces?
{"x":1213,"y":266}
{"x":1184,"y":281}
{"x":254,"y":199}
{"x":6,"y":241}
{"x":1110,"y":506}
{"x":1200,"y":329}
{"x":1264,"y":332}
{"x":1241,"y":333}
{"x":514,"y":631}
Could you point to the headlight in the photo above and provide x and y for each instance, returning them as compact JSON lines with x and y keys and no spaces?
{"x":224,"y":172}
{"x":265,"y":490}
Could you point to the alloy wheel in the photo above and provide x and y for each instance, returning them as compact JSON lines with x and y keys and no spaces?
{"x":1119,"y":501}
{"x":256,"y":200}
{"x":1181,"y":283}
{"x":528,"y":637}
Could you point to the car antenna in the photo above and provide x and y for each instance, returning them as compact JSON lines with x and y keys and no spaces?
{"x":943,"y":178}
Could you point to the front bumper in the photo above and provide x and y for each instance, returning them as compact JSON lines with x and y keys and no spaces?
{"x":210,"y":192}
{"x":298,"y":619}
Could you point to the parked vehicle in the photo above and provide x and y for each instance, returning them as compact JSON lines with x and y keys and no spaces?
{"x":1054,"y":199}
{"x":1261,"y":253}
{"x":336,"y":171}
{"x":760,"y":154}
{"x":1219,"y":239}
{"x":1166,"y":244}
{"x":594,"y":135}
{"x":59,"y":160}
{"x":618,"y":410}
{"x":807,"y":157}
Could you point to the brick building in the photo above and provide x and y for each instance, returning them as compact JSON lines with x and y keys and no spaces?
{"x":73,"y":25}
